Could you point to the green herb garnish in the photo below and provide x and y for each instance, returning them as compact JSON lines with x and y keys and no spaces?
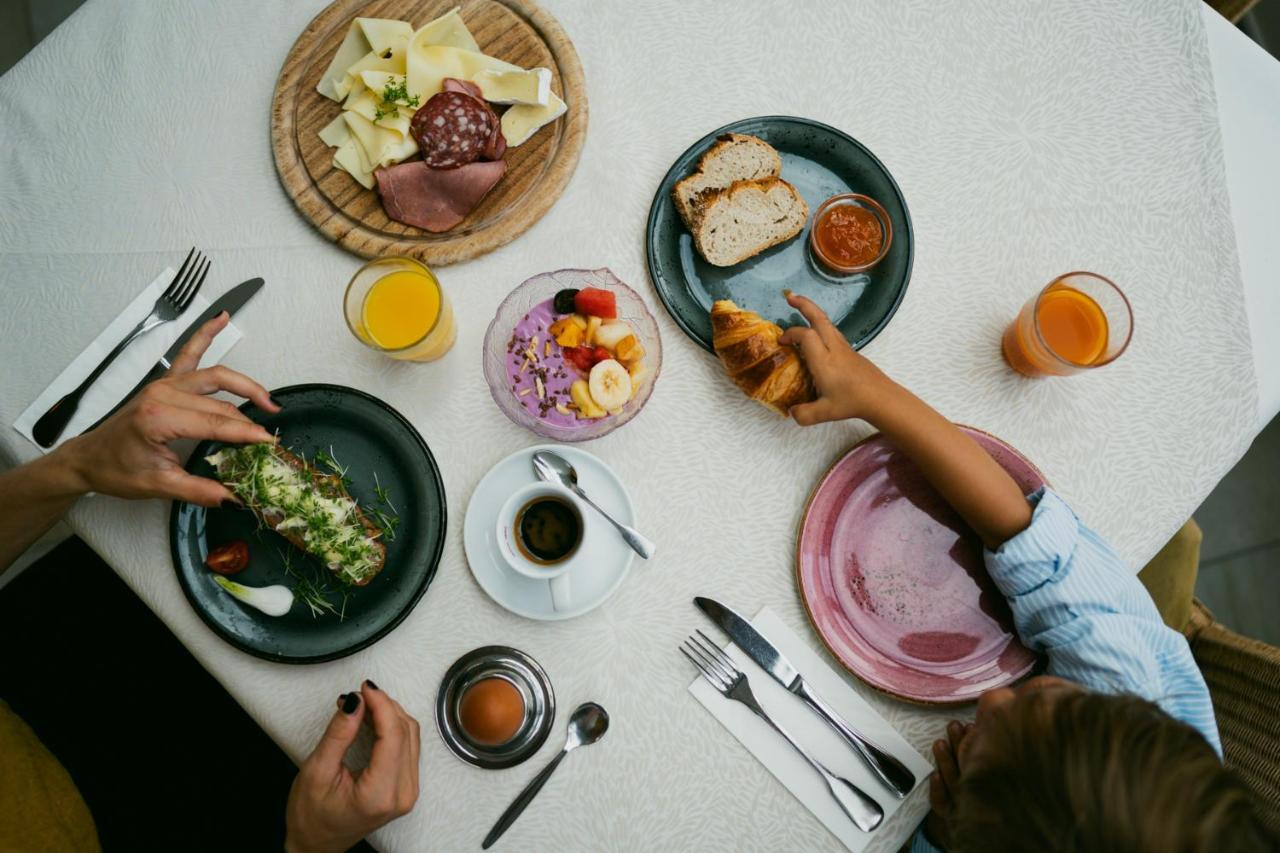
{"x":311,"y":587}
{"x":394,"y":96}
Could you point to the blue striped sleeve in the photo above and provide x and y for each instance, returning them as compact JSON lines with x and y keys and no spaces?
{"x":920,"y":844}
{"x":1074,"y":600}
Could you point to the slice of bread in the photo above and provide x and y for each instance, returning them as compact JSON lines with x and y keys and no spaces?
{"x":750,"y":216}
{"x":733,"y":157}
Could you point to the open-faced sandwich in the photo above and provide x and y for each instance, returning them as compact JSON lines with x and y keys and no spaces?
{"x":429,"y":92}
{"x":310,"y":508}
{"x":735,"y":205}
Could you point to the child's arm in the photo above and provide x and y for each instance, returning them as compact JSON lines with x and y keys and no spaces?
{"x":1073,"y":598}
{"x":850,"y":386}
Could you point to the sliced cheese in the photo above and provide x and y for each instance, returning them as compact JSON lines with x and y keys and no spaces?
{"x":381,"y":36}
{"x":376,"y":141}
{"x":448,"y":29}
{"x":522,"y":121}
{"x":377,"y":80}
{"x":371,"y":61}
{"x":401,"y":151}
{"x":515,"y":87}
{"x":335,"y":133}
{"x":353,"y":46}
{"x":367,"y":104}
{"x":350,"y":159}
{"x":385,"y":36}
{"x":429,"y":65}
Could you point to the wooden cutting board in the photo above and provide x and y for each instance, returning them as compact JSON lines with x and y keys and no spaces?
{"x":517,"y":31}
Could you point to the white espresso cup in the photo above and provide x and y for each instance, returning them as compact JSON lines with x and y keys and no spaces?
{"x":556,"y":574}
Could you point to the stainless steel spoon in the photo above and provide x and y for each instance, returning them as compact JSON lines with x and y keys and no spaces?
{"x":554,"y":468}
{"x":587,"y":725}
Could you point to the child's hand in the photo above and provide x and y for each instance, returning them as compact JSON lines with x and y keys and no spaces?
{"x":849,"y":385}
{"x":942,"y":784}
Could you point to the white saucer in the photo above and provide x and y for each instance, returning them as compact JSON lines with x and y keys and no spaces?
{"x":609,"y":557}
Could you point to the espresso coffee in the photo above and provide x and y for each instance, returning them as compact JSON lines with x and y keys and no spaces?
{"x":548,"y":530}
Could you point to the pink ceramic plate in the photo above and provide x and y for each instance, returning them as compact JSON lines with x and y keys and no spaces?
{"x":895,"y":584}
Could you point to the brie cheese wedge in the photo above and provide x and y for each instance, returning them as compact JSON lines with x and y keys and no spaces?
{"x":522,"y":121}
{"x":532,"y":87}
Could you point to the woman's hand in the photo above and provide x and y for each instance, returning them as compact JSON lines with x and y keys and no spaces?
{"x":330,"y":808}
{"x":129,"y":457}
{"x":848,"y":384}
{"x":942,"y":784}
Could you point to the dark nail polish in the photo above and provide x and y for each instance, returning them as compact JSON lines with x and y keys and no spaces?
{"x":350,"y":703}
{"x":275,"y":402}
{"x":369,"y":682}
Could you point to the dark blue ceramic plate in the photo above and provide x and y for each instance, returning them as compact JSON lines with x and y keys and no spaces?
{"x":820,"y":162}
{"x":366,"y":436}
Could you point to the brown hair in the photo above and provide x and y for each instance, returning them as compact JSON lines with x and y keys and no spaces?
{"x":1095,"y":772}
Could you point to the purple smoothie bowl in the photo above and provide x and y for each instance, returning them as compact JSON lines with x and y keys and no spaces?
{"x":527,"y":311}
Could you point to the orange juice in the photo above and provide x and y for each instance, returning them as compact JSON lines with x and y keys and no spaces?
{"x":395,"y":305}
{"x":400,"y":309}
{"x":1073,"y":325}
{"x":1069,"y":327}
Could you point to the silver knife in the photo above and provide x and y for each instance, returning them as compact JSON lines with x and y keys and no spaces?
{"x":757,"y":646}
{"x":231,"y":302}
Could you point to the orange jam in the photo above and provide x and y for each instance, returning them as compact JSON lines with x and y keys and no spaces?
{"x":849,"y":236}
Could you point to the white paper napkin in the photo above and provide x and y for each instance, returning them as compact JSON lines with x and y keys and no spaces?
{"x":813,"y":733}
{"x":129,"y":366}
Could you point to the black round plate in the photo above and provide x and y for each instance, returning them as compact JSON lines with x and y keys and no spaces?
{"x":366,"y":436}
{"x":819,"y":161}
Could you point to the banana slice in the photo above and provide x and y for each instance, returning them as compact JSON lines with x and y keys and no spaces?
{"x":611,"y":333}
{"x":581,"y":396}
{"x":610,"y":384}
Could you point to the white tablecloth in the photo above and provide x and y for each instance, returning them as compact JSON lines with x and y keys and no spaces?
{"x":1069,"y":134}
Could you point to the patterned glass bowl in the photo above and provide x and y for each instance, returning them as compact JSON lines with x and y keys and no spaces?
{"x":524,"y":298}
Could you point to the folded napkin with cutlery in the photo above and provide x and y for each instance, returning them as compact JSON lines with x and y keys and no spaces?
{"x":814,"y":734}
{"x":128,"y":368}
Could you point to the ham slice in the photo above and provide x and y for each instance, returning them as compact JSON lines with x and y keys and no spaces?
{"x":466,"y":87}
{"x":497,"y":144}
{"x":435,"y":199}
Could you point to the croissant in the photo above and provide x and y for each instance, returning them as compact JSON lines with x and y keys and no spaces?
{"x":766,"y":371}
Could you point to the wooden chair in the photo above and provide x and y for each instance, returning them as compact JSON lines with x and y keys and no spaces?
{"x":1244,"y":680}
{"x":1232,"y":10}
{"x":1243,"y":674}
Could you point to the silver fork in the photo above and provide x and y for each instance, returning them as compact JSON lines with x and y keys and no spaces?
{"x":175,"y":300}
{"x":724,"y":675}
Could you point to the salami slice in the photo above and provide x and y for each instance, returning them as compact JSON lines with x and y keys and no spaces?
{"x":452,"y":129}
{"x":497,"y":144}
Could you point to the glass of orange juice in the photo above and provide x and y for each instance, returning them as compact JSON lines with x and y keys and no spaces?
{"x":1081,"y":320}
{"x":396,"y":306}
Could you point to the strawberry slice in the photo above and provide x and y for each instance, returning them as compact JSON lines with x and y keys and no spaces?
{"x":583,"y":358}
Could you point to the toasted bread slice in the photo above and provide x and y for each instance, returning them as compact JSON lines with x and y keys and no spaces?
{"x":733,"y":157}
{"x":750,"y":216}
{"x":310,"y":508}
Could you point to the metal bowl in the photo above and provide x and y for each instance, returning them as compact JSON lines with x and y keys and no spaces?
{"x":523,"y":673}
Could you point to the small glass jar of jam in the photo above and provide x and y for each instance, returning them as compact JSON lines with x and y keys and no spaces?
{"x":851,"y":233}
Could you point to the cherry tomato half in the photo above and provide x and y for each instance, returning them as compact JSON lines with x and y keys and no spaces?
{"x":228,"y":558}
